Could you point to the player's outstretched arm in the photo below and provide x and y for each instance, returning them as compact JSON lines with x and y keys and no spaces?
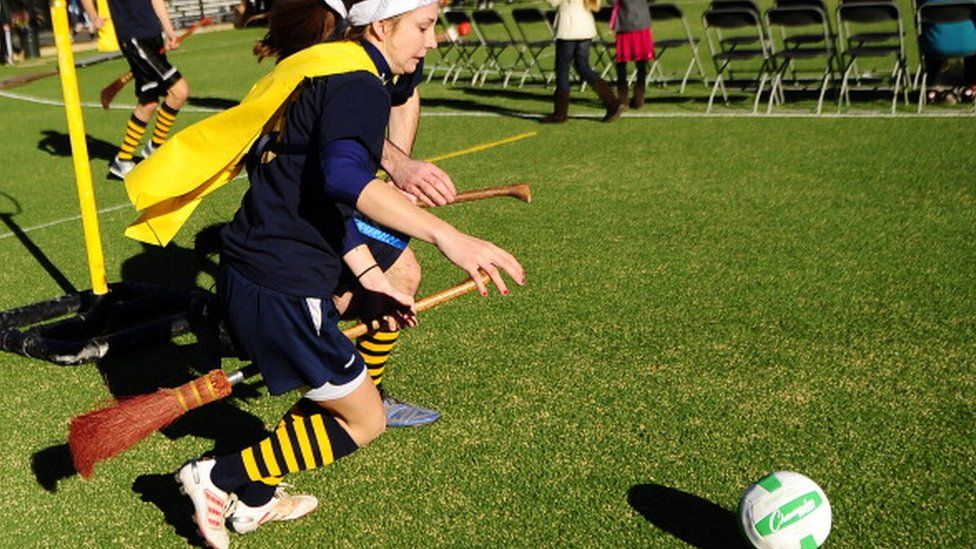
{"x":386,"y":206}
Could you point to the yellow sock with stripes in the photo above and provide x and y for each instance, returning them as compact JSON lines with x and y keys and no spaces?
{"x":375,"y":349}
{"x":134,"y":131}
{"x":306,"y":438}
{"x":165,"y":117}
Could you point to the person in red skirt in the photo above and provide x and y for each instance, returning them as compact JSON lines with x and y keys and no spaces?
{"x":631,"y":20}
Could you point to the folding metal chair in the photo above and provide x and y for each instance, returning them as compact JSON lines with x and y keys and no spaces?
{"x":815,"y":36}
{"x":605,"y":43}
{"x":940,"y":12}
{"x":735,"y":34}
{"x":466,"y":46}
{"x":804,"y":35}
{"x":866,"y":30}
{"x":663,"y":13}
{"x":496,"y":39}
{"x":537,"y":39}
{"x":446,"y":53}
{"x":741,"y":40}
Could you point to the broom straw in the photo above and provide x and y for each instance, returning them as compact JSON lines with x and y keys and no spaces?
{"x":106,"y":433}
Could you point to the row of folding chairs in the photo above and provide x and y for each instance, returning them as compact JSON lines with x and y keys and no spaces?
{"x":796,"y":32}
{"x":793,"y":45}
{"x":493,"y":47}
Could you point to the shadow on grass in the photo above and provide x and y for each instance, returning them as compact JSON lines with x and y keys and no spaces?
{"x":469,"y":105}
{"x":51,"y":465}
{"x":694,"y":520}
{"x":164,"y":365}
{"x":212,"y":102}
{"x":173,"y":265}
{"x":163,"y":492}
{"x":56,"y":143}
{"x":11,"y":207}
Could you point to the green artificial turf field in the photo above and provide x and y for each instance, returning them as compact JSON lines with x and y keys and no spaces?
{"x":708,"y":300}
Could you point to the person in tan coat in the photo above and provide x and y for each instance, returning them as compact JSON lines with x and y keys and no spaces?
{"x":575,"y":29}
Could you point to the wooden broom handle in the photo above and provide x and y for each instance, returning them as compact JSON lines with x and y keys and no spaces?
{"x":519,"y":190}
{"x":425,"y":304}
{"x":201,"y":23}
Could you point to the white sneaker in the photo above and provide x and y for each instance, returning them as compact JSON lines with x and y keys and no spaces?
{"x":210,"y":504}
{"x":121,"y":168}
{"x":148,"y":149}
{"x":282,"y":506}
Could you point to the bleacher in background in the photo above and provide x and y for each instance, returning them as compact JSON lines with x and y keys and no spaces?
{"x":187,"y":12}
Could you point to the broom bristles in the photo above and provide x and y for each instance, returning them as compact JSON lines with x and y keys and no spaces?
{"x":113,"y":89}
{"x":108,"y":432}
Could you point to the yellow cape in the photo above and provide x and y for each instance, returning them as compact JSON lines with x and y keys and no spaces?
{"x":169,"y":185}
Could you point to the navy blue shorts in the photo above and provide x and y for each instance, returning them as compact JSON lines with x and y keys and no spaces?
{"x":294,"y":341}
{"x":153,"y":74}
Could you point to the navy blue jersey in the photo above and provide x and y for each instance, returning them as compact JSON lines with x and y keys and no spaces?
{"x":403,"y":87}
{"x":288,"y":233}
{"x":134,"y":19}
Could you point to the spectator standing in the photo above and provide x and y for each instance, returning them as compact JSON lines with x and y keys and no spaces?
{"x":942,"y":41}
{"x":575,"y":29}
{"x":6,"y":44}
{"x":631,"y":21}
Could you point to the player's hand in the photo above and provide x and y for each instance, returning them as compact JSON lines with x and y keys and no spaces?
{"x":97,"y":21}
{"x":425,"y":181}
{"x":473,"y":254}
{"x":393,"y":308}
{"x":171,"y":42}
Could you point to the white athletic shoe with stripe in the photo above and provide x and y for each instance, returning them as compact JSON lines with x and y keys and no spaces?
{"x":245,"y":519}
{"x":210,"y":504}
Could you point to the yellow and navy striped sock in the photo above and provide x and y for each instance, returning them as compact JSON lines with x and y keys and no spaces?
{"x":165,"y":117}
{"x":134,"y":131}
{"x":306,"y":438}
{"x":375,"y":349}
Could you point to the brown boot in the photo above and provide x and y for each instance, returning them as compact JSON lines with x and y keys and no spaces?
{"x":609,"y":99}
{"x":560,"y":110}
{"x":622,"y":95}
{"x":637,"y":101}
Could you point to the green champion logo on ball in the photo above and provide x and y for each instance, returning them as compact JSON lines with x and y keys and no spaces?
{"x":789,"y":513}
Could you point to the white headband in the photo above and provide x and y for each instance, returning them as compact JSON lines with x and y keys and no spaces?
{"x":364,"y":13}
{"x":338,"y":7}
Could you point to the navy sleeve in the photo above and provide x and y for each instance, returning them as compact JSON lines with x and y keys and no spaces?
{"x":405,"y":85}
{"x":356,"y":107}
{"x":346,"y":169}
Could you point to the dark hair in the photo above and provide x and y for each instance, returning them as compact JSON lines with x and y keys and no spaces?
{"x":294,"y":25}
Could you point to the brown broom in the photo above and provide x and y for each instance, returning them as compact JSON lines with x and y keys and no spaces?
{"x":520,"y":191}
{"x":105,"y":433}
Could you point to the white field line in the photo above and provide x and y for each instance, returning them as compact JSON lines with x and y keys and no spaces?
{"x":63,"y":220}
{"x":243,"y":175}
{"x":59,"y":103}
{"x":78,"y":217}
{"x":486,"y":114}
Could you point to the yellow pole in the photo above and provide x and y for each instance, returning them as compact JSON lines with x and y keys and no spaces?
{"x":106,"y":35}
{"x":79,"y":149}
